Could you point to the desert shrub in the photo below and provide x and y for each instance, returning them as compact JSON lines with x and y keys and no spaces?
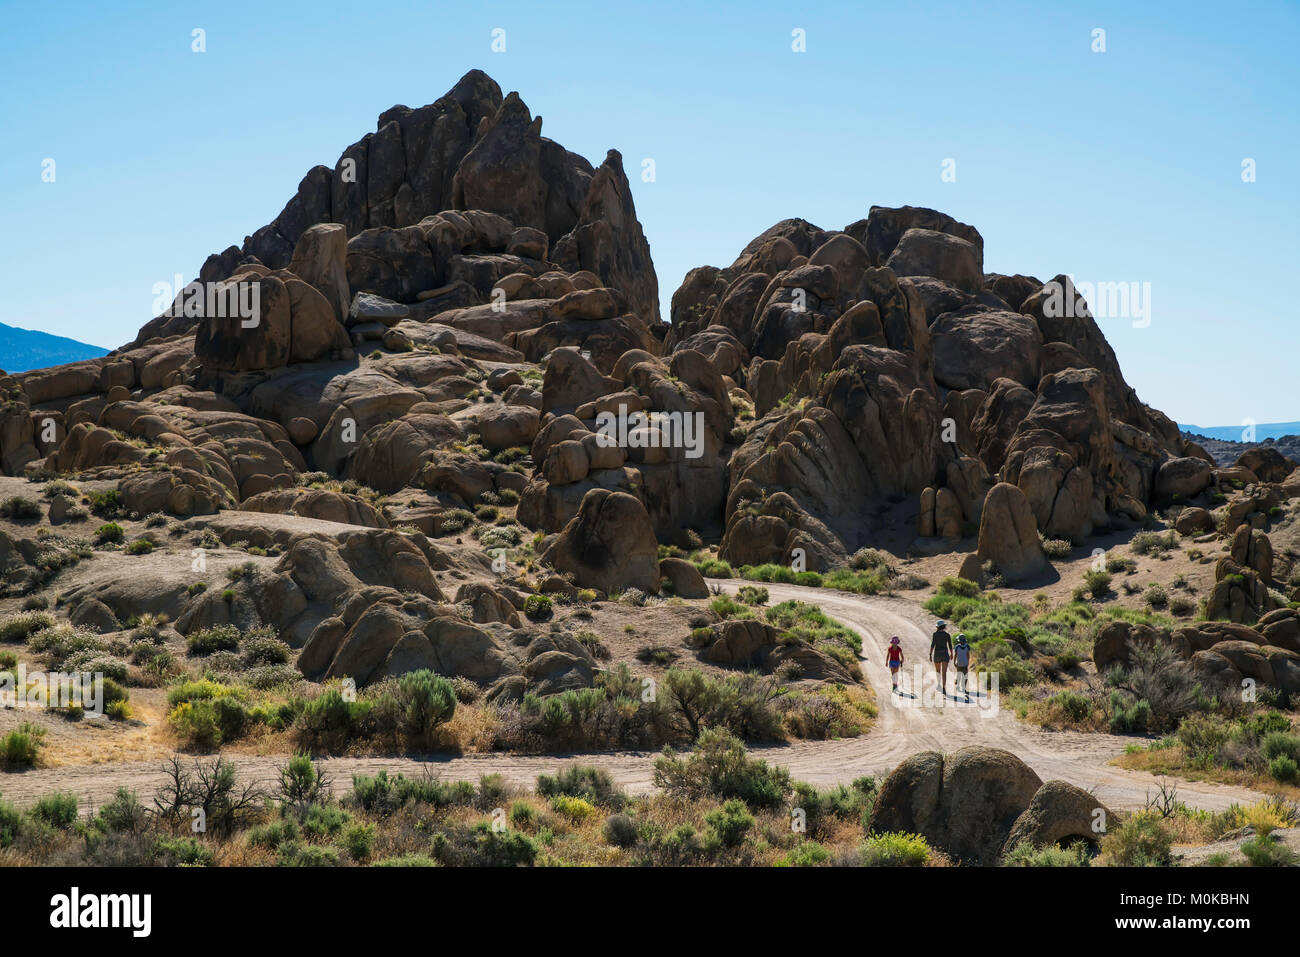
{"x":296,"y":854}
{"x":1025,"y":854}
{"x":359,"y":840}
{"x":1153,"y":543}
{"x":10,"y":823}
{"x":591,"y":784}
{"x":21,"y":746}
{"x":383,"y":795}
{"x":274,"y":833}
{"x":619,"y":830}
{"x":1097,"y":583}
{"x":183,"y":852}
{"x":329,"y":721}
{"x":264,"y":650}
{"x":20,"y":627}
{"x":728,"y":825}
{"x":740,"y":704}
{"x":35,"y":603}
{"x":141,"y":546}
{"x":124,"y":813}
{"x":1155,"y":595}
{"x":895,"y":849}
{"x":805,"y":854}
{"x":107,"y":504}
{"x":1141,"y":840}
{"x":427,"y":700}
{"x":408,"y":860}
{"x":1075,"y":706}
{"x":1155,"y":675}
{"x":537,"y":607}
{"x":20,"y":509}
{"x":573,"y":809}
{"x":719,"y":768}
{"x":714,"y":568}
{"x":1129,"y":717}
{"x":1057,"y":547}
{"x":769,"y":572}
{"x":752,"y":594}
{"x":323,"y":820}
{"x":205,"y":641}
{"x":57,"y":810}
{"x":960,"y":587}
{"x":109,"y":532}
{"x":724,"y":606}
{"x":205,"y":724}
{"x":1284,"y":768}
{"x":301,"y":781}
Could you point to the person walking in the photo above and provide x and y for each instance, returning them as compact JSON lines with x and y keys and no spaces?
{"x":941,"y":652}
{"x":961,"y":661}
{"x":894,"y":658}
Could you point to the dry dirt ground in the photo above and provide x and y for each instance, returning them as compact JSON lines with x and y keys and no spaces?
{"x":919,"y":720}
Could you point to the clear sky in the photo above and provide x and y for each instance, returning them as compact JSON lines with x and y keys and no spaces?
{"x":1122,"y":166}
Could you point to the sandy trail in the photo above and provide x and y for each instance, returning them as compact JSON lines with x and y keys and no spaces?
{"x":919,"y":721}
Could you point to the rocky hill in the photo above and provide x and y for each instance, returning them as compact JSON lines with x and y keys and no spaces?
{"x":446,"y":322}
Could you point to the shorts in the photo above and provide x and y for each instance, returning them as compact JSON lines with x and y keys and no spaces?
{"x":895,"y":665}
{"x":940,"y":659}
{"x":961,"y":668}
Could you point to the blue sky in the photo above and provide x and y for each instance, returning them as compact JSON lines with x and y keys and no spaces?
{"x":1123,"y":166}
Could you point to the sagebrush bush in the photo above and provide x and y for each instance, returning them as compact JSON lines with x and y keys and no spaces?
{"x":719,"y":767}
{"x":895,"y":849}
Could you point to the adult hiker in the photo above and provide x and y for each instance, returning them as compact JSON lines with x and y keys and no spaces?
{"x":894,"y":658}
{"x":961,"y":661}
{"x":940,"y":652}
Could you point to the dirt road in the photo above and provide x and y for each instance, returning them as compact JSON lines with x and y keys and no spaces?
{"x":921,"y":720}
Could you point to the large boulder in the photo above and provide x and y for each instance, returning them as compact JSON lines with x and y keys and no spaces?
{"x":608,"y":545}
{"x":1008,"y":536}
{"x":928,"y":252}
{"x":321,"y":259}
{"x":965,"y":803}
{"x":1060,"y":814}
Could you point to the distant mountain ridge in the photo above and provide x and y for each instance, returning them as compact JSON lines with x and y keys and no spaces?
{"x":24,"y":349}
{"x":1233,"y":433}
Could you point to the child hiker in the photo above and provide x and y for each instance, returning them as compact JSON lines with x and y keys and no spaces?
{"x":895,"y":660}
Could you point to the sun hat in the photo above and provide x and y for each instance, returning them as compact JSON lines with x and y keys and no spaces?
{"x":894,"y":641}
{"x":941,"y":624}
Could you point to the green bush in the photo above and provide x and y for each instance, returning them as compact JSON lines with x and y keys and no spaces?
{"x":1076,"y":706}
{"x":217,"y":638}
{"x":960,"y":587}
{"x":1284,"y":768}
{"x":619,"y":831}
{"x":591,"y":784}
{"x":427,"y":701}
{"x":895,"y":849}
{"x":21,"y":746}
{"x":20,"y":509}
{"x":109,"y":532}
{"x":728,"y":825}
{"x":1097,"y":583}
{"x":1025,"y":854}
{"x":58,"y":810}
{"x":537,"y":607}
{"x":183,"y":852}
{"x":19,"y":627}
{"x":141,"y":546}
{"x":719,"y":767}
{"x":123,"y":814}
{"x":752,"y":594}
{"x":805,"y":854}
{"x":714,"y":568}
{"x":1141,"y":840}
{"x":359,"y":840}
{"x":10,"y":821}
